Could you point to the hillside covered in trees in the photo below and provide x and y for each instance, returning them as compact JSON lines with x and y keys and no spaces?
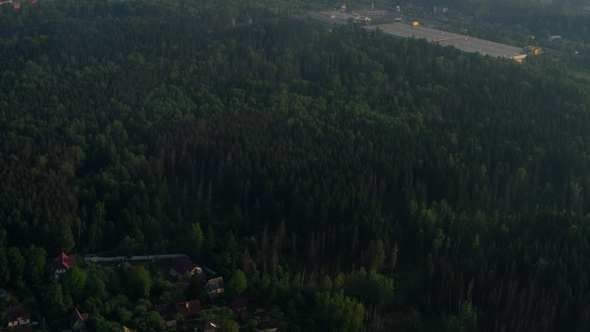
{"x":360,"y":181}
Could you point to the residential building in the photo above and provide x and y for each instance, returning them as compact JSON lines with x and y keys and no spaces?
{"x":188,"y":309}
{"x":214,"y":287}
{"x":17,"y":315}
{"x":340,"y":6}
{"x":205,"y":327}
{"x":78,"y":321}
{"x":441,"y":9}
{"x":266,"y":327}
{"x":184,"y":267}
{"x":62,"y":263}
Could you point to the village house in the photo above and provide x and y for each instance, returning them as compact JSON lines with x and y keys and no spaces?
{"x":171,"y":324}
{"x":17,"y":315}
{"x":340,"y":6}
{"x":188,"y":309}
{"x":214,"y":287}
{"x":78,"y":321}
{"x":205,"y":327}
{"x":61,"y":264}
{"x":441,"y":9}
{"x":184,"y":267}
{"x":266,"y":327}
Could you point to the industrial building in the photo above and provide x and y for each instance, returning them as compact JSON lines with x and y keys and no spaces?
{"x":406,"y":30}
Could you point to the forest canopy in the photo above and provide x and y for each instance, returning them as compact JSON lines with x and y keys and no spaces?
{"x":294,"y":154}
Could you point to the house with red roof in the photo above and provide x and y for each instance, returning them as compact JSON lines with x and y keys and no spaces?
{"x":184,"y":267}
{"x":62,"y":263}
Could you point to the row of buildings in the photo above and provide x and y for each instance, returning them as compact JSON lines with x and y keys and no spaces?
{"x":182,"y":268}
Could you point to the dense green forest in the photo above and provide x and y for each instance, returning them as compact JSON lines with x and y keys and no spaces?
{"x":357,"y":180}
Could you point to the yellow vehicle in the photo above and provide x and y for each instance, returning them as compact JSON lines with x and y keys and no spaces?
{"x":533,"y":50}
{"x":415,"y":23}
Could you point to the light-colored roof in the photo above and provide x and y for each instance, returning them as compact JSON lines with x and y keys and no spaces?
{"x":216,"y":283}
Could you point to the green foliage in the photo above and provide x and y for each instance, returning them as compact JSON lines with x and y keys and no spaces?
{"x":96,"y":286}
{"x":222,"y":317}
{"x":73,"y":281}
{"x":139,"y":282}
{"x":4,"y":268}
{"x":152,"y":321}
{"x":370,"y":287}
{"x":16,"y":262}
{"x":138,"y":126}
{"x":35,"y":264}
{"x":56,"y":303}
{"x":336,"y":312}
{"x":376,"y":255}
{"x":100,"y":324}
{"x":237,"y":284}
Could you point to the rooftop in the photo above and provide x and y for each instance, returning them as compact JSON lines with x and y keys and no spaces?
{"x":183,"y":266}
{"x":188,"y":308}
{"x":76,"y":316}
{"x":17,"y":313}
{"x":64,"y":261}
{"x":216,"y":283}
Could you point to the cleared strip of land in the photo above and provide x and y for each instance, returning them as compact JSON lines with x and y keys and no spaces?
{"x":405,"y":30}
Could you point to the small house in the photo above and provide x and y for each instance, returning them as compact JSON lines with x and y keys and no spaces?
{"x":17,"y":315}
{"x":62,"y":263}
{"x":441,"y":9}
{"x":205,"y":327}
{"x":340,"y":6}
{"x":184,"y":267}
{"x":78,"y":321}
{"x":266,"y":327}
{"x":214,"y":287}
{"x":554,"y":38}
{"x":188,"y":309}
